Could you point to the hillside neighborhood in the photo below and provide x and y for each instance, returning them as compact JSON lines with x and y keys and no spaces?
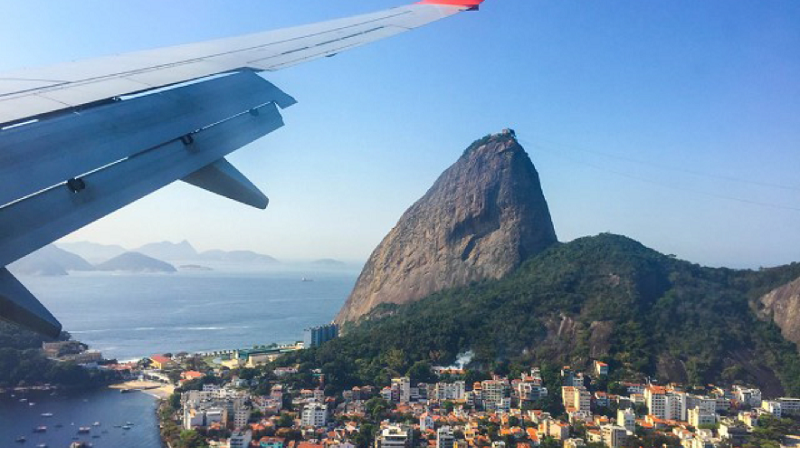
{"x":264,"y":405}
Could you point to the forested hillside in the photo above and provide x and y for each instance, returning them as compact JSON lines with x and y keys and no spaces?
{"x":605,"y":297}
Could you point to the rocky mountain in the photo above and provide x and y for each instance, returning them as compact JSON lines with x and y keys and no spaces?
{"x":482,"y":218}
{"x":169,"y":251}
{"x":133,"y":262}
{"x":93,"y":252}
{"x":50,"y":261}
{"x":782,"y":306}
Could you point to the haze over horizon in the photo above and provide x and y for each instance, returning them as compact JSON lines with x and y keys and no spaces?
{"x":643,"y":119}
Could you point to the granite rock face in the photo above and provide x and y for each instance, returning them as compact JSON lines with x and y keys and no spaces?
{"x":782,"y":305}
{"x":482,"y":218}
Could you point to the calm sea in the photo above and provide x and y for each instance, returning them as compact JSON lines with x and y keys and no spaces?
{"x":107,"y":407}
{"x":134,"y":315}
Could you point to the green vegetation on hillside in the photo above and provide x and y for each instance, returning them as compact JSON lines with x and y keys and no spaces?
{"x":23,"y":364}
{"x":606,"y":297}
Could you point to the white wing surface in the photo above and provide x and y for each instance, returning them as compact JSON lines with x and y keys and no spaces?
{"x":35,"y":91}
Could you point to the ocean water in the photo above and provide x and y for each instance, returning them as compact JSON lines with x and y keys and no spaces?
{"x":129,"y":316}
{"x":77,"y":409}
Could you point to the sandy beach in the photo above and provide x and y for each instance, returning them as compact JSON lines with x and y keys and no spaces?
{"x":156,"y":389}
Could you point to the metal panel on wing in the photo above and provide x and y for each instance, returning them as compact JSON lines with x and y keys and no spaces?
{"x":45,"y":217}
{"x":40,"y":155}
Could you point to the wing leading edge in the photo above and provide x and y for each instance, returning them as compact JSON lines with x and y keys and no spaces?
{"x":82,"y":139}
{"x":31,"y":92}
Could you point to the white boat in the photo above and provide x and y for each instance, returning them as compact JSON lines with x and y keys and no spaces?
{"x":47,"y":415}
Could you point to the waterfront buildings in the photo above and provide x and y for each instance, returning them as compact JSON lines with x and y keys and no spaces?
{"x":316,"y":336}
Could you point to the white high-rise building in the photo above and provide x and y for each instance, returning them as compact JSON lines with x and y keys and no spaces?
{"x":627,"y":419}
{"x":314,"y":415}
{"x":240,"y":439}
{"x":665,"y":404}
{"x":449,"y":391}
{"x":241,"y":416}
{"x":614,"y":436}
{"x":401,"y":386}
{"x":698,"y":417}
{"x":444,"y":437}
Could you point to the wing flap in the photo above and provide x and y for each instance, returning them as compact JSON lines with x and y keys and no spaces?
{"x":224,"y":179}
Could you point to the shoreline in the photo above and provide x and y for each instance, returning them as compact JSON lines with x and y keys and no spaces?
{"x":154,"y":389}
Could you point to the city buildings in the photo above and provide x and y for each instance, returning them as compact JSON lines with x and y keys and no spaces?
{"x":315,"y":415}
{"x":240,"y":439}
{"x":614,"y":436}
{"x":316,"y":336}
{"x":576,"y":398}
{"x":393,"y":436}
{"x":444,"y":437}
{"x":499,"y":412}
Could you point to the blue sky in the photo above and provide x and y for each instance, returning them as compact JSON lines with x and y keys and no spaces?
{"x":674,"y":122}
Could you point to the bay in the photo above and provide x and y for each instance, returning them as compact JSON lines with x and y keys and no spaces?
{"x":76,"y":409}
{"x":127,"y":316}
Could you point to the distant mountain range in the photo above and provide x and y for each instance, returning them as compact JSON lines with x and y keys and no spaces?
{"x":133,"y":262}
{"x":330,"y":263}
{"x":54,"y":261}
{"x":236,"y":257}
{"x":59,"y":260}
{"x":182,"y":252}
{"x":169,"y":251}
{"x":93,"y":252}
{"x":50,"y":261}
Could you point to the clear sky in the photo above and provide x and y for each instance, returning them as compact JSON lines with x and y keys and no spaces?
{"x":675,"y":122}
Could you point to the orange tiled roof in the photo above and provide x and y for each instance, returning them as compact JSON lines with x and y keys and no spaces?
{"x":158,"y":358}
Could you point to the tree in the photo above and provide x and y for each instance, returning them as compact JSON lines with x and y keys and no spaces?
{"x":376,"y":408}
{"x":191,"y":438}
{"x":175,"y":401}
{"x":421,"y":372}
{"x":365,"y":436}
{"x":549,"y":441}
{"x":285,"y":420}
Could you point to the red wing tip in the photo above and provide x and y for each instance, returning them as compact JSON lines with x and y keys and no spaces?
{"x":471,"y":4}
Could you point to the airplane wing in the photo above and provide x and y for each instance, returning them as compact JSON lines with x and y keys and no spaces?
{"x":82,"y":139}
{"x":36,"y":91}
